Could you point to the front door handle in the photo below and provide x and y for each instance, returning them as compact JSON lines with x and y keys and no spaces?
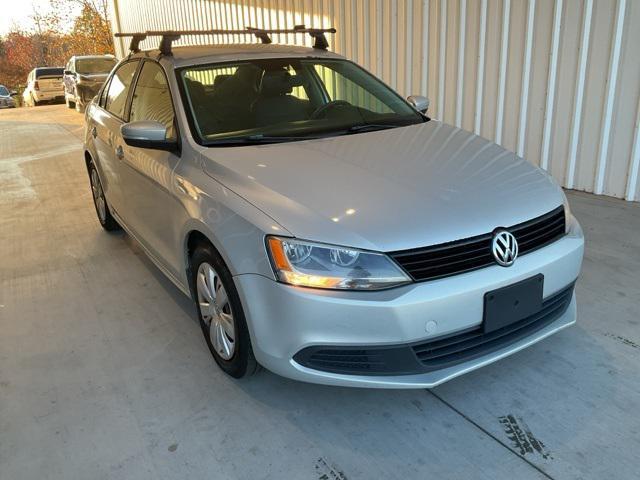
{"x":94,"y":132}
{"x":119,"y":152}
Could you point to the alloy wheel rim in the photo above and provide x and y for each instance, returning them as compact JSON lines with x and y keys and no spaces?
{"x":215,"y":310}
{"x":98,"y":196}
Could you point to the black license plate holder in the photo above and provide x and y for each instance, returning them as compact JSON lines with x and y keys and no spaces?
{"x":512,"y":303}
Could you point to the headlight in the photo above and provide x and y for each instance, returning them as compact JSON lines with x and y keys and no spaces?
{"x":315,"y":265}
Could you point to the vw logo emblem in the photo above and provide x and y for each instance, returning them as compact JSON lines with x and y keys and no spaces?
{"x":504,"y":248}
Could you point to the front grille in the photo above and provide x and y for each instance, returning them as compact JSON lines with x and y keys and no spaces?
{"x":472,"y":253}
{"x":437,"y":354}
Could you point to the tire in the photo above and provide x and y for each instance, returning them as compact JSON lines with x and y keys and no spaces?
{"x":241,"y":362}
{"x":100,"y":201}
{"x":34,"y":102}
{"x":69,"y":103}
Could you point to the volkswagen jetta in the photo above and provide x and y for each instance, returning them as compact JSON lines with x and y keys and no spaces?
{"x":326,"y":228}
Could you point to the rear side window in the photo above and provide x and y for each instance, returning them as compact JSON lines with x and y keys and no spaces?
{"x":49,"y":72}
{"x":116,"y":97}
{"x":152,"y":98}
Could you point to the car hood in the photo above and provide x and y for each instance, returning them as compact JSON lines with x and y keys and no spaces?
{"x":387,"y":190}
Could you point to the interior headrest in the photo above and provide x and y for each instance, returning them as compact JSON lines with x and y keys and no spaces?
{"x":194,"y":87}
{"x":279,"y":82}
{"x":219,"y":80}
{"x":249,"y":75}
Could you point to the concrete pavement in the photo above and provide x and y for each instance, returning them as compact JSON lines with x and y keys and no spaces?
{"x":104,"y":372}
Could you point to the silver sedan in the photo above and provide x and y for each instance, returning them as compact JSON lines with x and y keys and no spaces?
{"x":327,"y":228}
{"x":6,"y":98}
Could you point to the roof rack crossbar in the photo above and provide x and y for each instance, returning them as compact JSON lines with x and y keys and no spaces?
{"x":169,"y":36}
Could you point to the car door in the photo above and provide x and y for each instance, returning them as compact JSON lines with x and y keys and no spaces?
{"x":68,"y":86}
{"x":26,"y":95}
{"x":104,"y":125}
{"x":148,"y":174}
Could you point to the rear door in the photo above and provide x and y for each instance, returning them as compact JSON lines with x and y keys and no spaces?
{"x":26,"y":95}
{"x":104,"y":125}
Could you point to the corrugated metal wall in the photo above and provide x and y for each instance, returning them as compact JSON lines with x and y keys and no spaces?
{"x":557,"y":81}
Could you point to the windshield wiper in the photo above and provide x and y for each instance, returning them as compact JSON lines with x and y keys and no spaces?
{"x":258,"y":139}
{"x":370,"y":127}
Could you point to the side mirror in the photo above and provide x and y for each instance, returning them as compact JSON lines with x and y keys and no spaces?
{"x":419,"y":102}
{"x":13,"y":93}
{"x":148,"y":134}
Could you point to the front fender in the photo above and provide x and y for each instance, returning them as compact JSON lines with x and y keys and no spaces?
{"x":233,"y":226}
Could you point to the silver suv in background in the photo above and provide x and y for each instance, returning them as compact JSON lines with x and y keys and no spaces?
{"x":83,"y":78}
{"x":325,"y":227}
{"x":44,"y":84}
{"x":6,"y":98}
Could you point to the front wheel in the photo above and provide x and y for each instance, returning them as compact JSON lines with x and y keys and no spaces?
{"x":220,"y":312}
{"x":100,"y":201}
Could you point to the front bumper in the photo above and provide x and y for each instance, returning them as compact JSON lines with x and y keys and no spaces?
{"x":284,"y":320}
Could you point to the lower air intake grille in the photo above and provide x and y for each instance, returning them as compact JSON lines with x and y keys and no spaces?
{"x":465,"y":346}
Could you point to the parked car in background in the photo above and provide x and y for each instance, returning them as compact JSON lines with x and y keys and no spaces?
{"x":83,"y":77}
{"x":44,"y":84}
{"x":6,"y":98}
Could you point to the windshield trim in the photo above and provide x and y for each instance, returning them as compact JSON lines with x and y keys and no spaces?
{"x":191,"y":121}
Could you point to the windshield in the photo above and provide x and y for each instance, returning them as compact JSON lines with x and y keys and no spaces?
{"x":288,"y":99}
{"x":3,"y":91}
{"x":49,"y":72}
{"x":91,"y":66}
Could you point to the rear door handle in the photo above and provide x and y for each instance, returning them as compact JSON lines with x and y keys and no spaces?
{"x":119,"y":152}
{"x":94,"y":132}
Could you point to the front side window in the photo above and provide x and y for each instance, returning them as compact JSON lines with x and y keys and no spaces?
{"x":92,"y":66}
{"x":286,"y":99}
{"x":152,"y":98}
{"x":116,"y":96}
{"x":3,"y":91}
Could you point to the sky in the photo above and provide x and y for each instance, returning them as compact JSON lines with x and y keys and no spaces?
{"x":19,"y":12}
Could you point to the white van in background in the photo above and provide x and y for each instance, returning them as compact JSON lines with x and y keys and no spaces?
{"x":44,"y":84}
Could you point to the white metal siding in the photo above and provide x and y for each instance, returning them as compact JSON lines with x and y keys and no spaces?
{"x":557,"y":81}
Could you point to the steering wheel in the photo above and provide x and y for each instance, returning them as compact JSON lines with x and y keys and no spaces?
{"x":323,"y":109}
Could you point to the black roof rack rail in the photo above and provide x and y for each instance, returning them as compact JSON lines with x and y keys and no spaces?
{"x":169,"y":36}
